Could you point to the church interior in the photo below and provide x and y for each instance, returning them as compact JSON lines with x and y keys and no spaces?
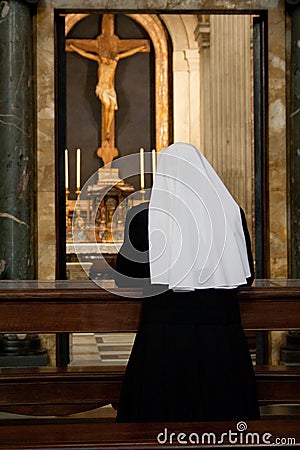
{"x":80,"y":134}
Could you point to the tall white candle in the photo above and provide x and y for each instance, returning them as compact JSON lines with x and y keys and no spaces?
{"x":153,"y":163}
{"x":66,"y":169}
{"x":142,"y":168}
{"x":78,"y":168}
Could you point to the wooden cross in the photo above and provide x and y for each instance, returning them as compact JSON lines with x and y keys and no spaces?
{"x":107,"y":49}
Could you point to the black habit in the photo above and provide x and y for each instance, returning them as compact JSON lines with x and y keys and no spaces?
{"x":190,"y":360}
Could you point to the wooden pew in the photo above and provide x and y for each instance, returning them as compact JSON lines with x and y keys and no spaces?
{"x":278,"y":384}
{"x":83,"y":307}
{"x":61,"y":391}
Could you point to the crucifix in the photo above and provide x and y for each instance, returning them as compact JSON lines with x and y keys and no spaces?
{"x":107,"y":49}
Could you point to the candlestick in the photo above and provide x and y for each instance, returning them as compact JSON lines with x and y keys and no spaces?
{"x":68,"y":220}
{"x":153,"y":163}
{"x":78,"y":169}
{"x":88,"y":212}
{"x":66,"y":169}
{"x":142,"y":168}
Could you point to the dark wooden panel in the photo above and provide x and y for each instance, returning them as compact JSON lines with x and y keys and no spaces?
{"x":270,"y":314}
{"x":277,"y":384}
{"x":47,"y":391}
{"x":76,"y":316}
{"x":59,"y":391}
{"x":49,"y":316}
{"x":82,"y":306}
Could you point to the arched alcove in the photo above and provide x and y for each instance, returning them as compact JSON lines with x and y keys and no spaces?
{"x":274,"y":133}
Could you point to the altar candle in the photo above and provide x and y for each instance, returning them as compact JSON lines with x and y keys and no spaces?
{"x":153,"y":163}
{"x":78,"y":169}
{"x":142,"y":168}
{"x":66,"y":169}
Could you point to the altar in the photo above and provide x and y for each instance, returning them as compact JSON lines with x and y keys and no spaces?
{"x":86,"y":259}
{"x":95,"y":223}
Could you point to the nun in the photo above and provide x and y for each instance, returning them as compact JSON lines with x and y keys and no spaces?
{"x":189,"y":250}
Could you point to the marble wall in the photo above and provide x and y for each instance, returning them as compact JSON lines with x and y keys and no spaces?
{"x":46,"y":141}
{"x":277,"y":143}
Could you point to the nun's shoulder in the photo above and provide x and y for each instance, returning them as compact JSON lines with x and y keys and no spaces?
{"x":138,"y":212}
{"x":140,"y":208}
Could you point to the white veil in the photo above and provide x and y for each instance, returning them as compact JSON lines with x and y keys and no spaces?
{"x":196,"y":238}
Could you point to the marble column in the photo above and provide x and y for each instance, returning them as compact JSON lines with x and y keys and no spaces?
{"x":192,"y":57}
{"x":181,"y":102}
{"x":226,"y":102}
{"x":17,"y":141}
{"x":294,"y":10}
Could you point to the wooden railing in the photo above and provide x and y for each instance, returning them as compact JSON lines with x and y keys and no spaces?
{"x":70,"y":306}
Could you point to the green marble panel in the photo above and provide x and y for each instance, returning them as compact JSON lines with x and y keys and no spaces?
{"x":17,"y":142}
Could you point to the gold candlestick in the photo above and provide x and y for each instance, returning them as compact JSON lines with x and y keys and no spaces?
{"x":142,"y":169}
{"x":68,"y":220}
{"x":79,"y":222}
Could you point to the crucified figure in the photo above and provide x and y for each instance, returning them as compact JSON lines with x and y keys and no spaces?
{"x":105,"y":89}
{"x":107,"y":49}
